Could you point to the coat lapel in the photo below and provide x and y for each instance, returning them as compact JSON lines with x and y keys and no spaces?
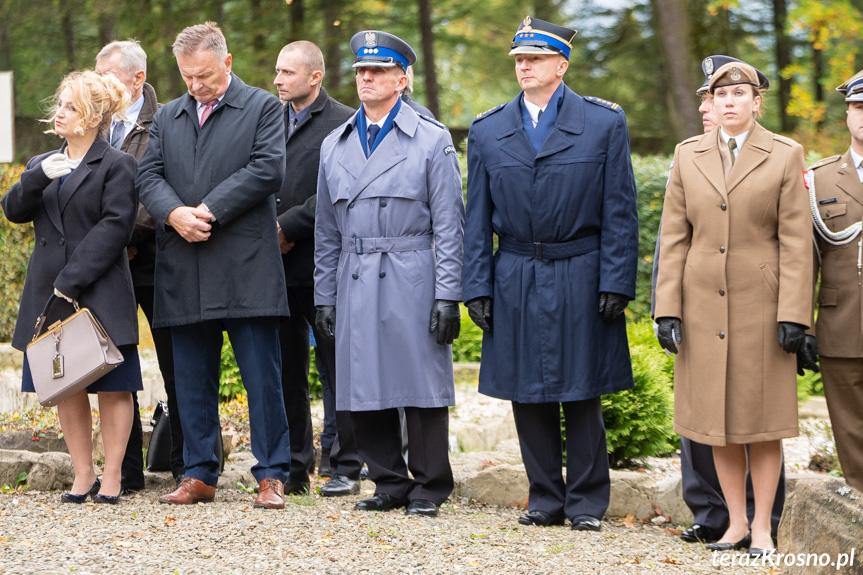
{"x":388,"y":152}
{"x":79,"y":174}
{"x":352,"y":158}
{"x":754,"y":152}
{"x":513,"y":139}
{"x":50,"y":197}
{"x":848,"y":181}
{"x":570,"y":121}
{"x":709,"y":162}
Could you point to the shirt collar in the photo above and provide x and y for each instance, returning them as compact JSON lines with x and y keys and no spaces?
{"x":134,"y":110}
{"x":856,"y":158}
{"x":740,"y":138}
{"x":201,"y":105}
{"x":534,"y":110}
{"x":379,"y":123}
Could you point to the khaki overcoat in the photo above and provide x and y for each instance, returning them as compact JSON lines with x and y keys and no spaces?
{"x":735,"y":259}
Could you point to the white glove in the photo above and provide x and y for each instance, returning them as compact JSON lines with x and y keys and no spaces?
{"x":58,"y":294}
{"x":56,"y":166}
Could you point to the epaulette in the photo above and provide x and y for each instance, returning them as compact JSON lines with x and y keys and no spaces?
{"x":824,"y":162}
{"x":690,"y":140}
{"x":490,"y":111}
{"x":784,"y":140}
{"x":601,"y":102}
{"x":432,"y":120}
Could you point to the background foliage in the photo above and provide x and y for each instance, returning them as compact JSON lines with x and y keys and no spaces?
{"x":16,"y":242}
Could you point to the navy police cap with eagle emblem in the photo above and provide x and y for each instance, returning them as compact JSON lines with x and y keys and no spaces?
{"x":536,"y":36}
{"x":374,"y":48}
{"x":852,"y":88}
{"x":712,"y":63}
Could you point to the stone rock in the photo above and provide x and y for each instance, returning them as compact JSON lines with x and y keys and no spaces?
{"x":483,"y":435}
{"x":631,"y":493}
{"x":503,"y":484}
{"x":669,"y":499}
{"x":822,"y":517}
{"x":44,"y":471}
{"x":24,"y":440}
{"x":238,"y":469}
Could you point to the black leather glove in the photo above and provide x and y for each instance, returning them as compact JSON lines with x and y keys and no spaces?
{"x":791,"y":336}
{"x":669,"y":333}
{"x":611,"y":305}
{"x":807,"y":357}
{"x":445,"y":320}
{"x":479,"y":310}
{"x":325,"y":321}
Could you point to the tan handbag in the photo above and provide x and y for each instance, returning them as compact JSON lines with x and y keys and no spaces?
{"x":71,"y":355}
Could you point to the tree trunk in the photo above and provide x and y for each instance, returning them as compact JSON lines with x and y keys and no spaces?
{"x":783,"y":60}
{"x":69,"y":36}
{"x":817,"y":76}
{"x":545,"y":10}
{"x":298,"y":20}
{"x":331,"y":47}
{"x":672,"y":21}
{"x":430,"y":73}
{"x":5,"y":44}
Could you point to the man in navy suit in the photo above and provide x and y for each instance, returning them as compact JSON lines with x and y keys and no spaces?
{"x":550,"y":174}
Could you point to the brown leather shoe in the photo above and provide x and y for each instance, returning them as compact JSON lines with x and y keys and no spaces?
{"x":189,"y":492}
{"x":270,"y":494}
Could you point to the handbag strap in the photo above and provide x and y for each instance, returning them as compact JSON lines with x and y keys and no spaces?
{"x":40,"y":321}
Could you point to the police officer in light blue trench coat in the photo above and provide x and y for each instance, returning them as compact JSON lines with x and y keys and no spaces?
{"x":550,"y":174}
{"x":388,"y":264}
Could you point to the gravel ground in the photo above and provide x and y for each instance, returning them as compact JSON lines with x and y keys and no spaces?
{"x":38,"y":534}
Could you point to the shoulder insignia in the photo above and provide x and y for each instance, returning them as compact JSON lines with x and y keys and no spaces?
{"x":490,"y":111}
{"x":605,"y":103}
{"x":784,"y":140}
{"x":824,"y":162}
{"x":432,"y":120}
{"x":449,"y":150}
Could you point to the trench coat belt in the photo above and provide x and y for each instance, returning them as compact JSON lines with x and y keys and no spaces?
{"x":549,"y":251}
{"x":396,"y":244}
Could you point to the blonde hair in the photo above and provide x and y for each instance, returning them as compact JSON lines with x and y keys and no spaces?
{"x":93,"y":96}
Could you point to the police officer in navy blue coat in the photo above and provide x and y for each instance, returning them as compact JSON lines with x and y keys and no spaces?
{"x":550,"y":174}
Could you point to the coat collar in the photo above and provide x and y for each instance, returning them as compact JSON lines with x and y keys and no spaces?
{"x":234,"y":97}
{"x":754,"y":152}
{"x":151,"y":106}
{"x":316,"y":107}
{"x":848,"y":180}
{"x":56,"y":197}
{"x":514,"y":141}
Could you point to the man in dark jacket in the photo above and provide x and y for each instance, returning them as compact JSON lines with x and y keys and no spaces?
{"x":215,"y":160}
{"x":309,"y":115}
{"x":128,"y":62}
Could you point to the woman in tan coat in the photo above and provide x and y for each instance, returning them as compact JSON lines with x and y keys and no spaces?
{"x":734,"y":294}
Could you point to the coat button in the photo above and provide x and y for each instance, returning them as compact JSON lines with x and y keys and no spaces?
{"x":724,"y":207}
{"x":356,"y":276}
{"x":721,"y":292}
{"x":383,"y":203}
{"x":351,"y":206}
{"x":382,"y":275}
{"x":62,"y":241}
{"x":721,"y":335}
{"x":278,"y":201}
{"x":827,"y":214}
{"x":721,"y":249}
{"x":42,"y":241}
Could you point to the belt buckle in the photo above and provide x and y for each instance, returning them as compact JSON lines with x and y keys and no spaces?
{"x":359,"y":244}
{"x":537,"y":250}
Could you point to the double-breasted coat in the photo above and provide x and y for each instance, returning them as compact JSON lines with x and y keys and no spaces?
{"x":548,"y":342}
{"x":388,"y":243}
{"x":234,"y":164}
{"x":735,"y":259}
{"x":81,"y":230}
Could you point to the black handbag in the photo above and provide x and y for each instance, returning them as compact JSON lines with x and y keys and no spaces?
{"x":159,"y":451}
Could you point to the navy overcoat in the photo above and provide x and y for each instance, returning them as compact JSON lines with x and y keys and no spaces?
{"x":548,"y":342}
{"x":234,"y":164}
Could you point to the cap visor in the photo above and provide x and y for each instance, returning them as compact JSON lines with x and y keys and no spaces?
{"x":373,"y":64}
{"x":532,"y":50}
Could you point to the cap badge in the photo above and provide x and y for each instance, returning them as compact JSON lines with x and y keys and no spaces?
{"x":526,"y":27}
{"x":735,"y":74}
{"x":371,"y":39}
{"x":708,"y":66}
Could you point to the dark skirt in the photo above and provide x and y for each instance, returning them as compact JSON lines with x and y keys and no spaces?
{"x":127,"y":377}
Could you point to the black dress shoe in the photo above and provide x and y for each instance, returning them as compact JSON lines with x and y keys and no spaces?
{"x":109,"y":499}
{"x":540,"y":518}
{"x":72,"y":498}
{"x":380,"y":502}
{"x":586,"y":523}
{"x":731,"y":546}
{"x":339,"y":486}
{"x":700,"y":534}
{"x":296,"y":487}
{"x":422,"y":507}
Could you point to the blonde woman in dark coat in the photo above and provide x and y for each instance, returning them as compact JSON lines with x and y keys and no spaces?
{"x":82,"y":202}
{"x":735,"y":295}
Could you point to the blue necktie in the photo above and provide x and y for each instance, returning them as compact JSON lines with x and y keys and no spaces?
{"x":373,"y":134}
{"x":117,"y":130}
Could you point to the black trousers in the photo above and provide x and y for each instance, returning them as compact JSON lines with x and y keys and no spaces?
{"x":379,"y":439}
{"x":133,"y":462}
{"x":703,"y":495}
{"x":294,"y":342}
{"x":588,"y":486}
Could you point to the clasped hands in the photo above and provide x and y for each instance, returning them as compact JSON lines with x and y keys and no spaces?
{"x":193,"y":224}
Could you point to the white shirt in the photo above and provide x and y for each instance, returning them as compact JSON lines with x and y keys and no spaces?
{"x":739,"y":139}
{"x":857,"y":159}
{"x":201,"y":106}
{"x":534,"y":111}
{"x":132,"y":113}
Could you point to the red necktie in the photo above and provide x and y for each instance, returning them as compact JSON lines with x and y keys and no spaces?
{"x":208,"y":109}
